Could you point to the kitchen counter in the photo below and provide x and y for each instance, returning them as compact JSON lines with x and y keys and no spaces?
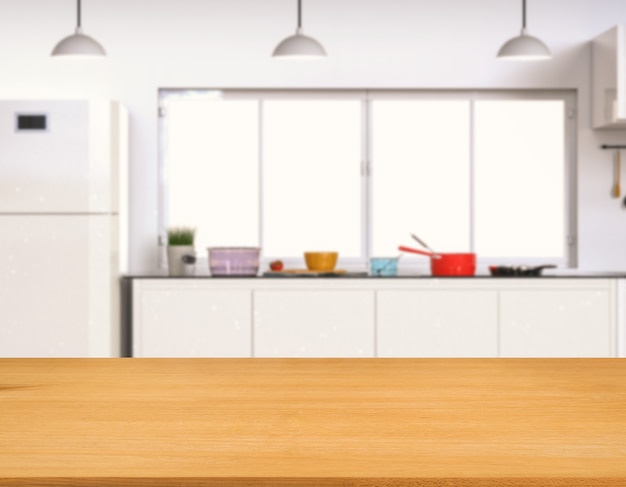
{"x":313,"y":422}
{"x":581,"y":275}
{"x":552,"y":274}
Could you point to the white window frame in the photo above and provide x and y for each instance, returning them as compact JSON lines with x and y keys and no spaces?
{"x":568,"y":96}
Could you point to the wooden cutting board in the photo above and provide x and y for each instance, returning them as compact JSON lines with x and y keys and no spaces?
{"x":304,"y":272}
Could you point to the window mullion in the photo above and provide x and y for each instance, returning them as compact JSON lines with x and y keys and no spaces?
{"x":571,"y":230}
{"x":261,"y":192}
{"x":366,"y":172}
{"x":472,"y":155}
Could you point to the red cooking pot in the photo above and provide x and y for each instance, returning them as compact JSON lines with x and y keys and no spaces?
{"x":456,"y":264}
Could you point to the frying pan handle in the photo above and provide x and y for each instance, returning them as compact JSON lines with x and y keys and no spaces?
{"x":414,"y":251}
{"x":537,"y":270}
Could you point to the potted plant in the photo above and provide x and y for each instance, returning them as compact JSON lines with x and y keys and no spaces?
{"x":180,"y":242}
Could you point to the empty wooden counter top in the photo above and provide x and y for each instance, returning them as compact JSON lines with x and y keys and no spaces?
{"x":326,"y":422}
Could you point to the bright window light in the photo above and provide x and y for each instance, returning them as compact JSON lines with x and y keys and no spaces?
{"x":213,"y":170}
{"x":420,"y":174}
{"x":519,"y":178}
{"x":311,"y":177}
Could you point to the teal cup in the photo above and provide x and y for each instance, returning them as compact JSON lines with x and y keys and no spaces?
{"x":384,"y":266}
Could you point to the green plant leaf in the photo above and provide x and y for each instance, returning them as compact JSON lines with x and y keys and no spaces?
{"x":181,"y":235}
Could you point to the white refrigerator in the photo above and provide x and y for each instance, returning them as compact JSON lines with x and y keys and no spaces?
{"x":63,"y":227}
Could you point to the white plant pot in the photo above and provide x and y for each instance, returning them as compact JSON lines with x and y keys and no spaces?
{"x":175,"y":264}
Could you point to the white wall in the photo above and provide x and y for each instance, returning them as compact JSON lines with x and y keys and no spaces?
{"x":371,"y":43}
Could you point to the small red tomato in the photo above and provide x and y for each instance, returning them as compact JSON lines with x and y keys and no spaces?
{"x":276,"y":265}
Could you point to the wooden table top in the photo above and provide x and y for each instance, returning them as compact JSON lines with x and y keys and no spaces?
{"x":314,"y":422}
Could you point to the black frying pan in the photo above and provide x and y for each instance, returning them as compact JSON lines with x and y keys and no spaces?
{"x":519,"y":270}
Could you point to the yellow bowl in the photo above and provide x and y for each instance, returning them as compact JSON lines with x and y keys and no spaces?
{"x":321,"y":261}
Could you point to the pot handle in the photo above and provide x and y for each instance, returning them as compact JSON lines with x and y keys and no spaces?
{"x":414,"y":251}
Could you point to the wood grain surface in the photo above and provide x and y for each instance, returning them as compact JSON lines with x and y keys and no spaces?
{"x":326,"y":422}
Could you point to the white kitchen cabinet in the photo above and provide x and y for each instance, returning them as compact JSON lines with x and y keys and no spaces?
{"x":437,"y":323}
{"x":553,"y":322}
{"x":422,"y":317}
{"x":609,"y":78}
{"x":191,"y":318}
{"x":314,"y":323}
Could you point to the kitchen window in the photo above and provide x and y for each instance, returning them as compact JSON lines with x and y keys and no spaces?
{"x":359,"y":170}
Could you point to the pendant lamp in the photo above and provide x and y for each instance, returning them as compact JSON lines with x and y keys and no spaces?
{"x":299,"y":46}
{"x":524,"y":47}
{"x":78,"y":44}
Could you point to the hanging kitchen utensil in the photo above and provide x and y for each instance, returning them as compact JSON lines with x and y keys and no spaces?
{"x":617,"y":189}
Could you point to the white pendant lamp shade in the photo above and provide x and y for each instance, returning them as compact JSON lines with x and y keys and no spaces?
{"x":524,"y":47}
{"x":78,"y":44}
{"x":299,"y":46}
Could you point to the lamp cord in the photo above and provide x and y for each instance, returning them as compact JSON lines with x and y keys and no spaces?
{"x":78,"y":13}
{"x":524,"y":14}
{"x":299,"y":14}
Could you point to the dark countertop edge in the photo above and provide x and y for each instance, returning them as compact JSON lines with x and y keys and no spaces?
{"x":352,"y":277}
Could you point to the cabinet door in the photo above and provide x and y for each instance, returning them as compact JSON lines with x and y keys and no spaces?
{"x":442,"y":323}
{"x":190,"y":320}
{"x":555,"y":323}
{"x":313,"y":323}
{"x":608,"y":51}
